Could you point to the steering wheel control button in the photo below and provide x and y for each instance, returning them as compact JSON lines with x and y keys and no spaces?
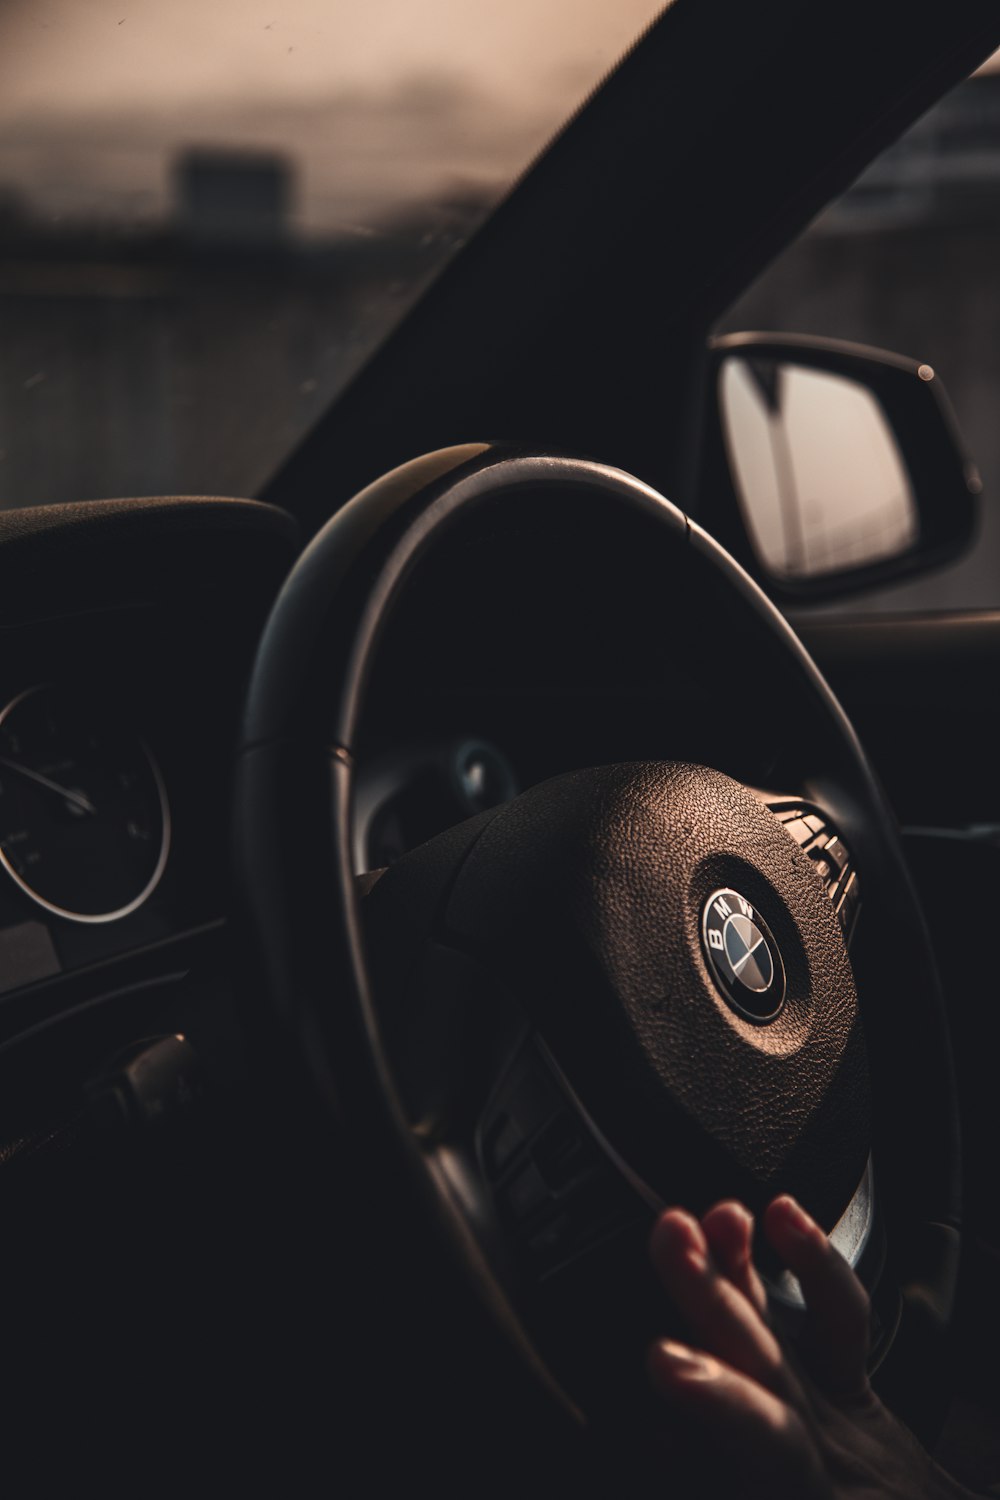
{"x":848,"y":903}
{"x":800,"y":830}
{"x":743,"y":955}
{"x":830,"y":856}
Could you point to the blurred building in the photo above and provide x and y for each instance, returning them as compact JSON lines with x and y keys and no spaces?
{"x":191,"y":355}
{"x":231,"y":199}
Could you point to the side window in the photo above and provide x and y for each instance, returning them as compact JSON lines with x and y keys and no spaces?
{"x":909,"y":260}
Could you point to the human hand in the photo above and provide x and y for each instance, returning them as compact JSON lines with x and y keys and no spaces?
{"x":757,"y":1419}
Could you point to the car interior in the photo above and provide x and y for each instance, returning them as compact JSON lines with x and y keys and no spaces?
{"x":363,"y":840}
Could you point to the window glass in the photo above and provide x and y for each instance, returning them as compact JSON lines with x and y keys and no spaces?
{"x":818,"y":473}
{"x":909,"y":260}
{"x":212,"y":210}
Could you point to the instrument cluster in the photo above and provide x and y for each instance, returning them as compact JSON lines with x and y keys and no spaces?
{"x":84,"y":814}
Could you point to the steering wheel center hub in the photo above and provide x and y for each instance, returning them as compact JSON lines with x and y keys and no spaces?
{"x":623,"y":906}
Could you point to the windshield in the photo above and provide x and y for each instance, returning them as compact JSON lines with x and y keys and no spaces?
{"x":210,"y":214}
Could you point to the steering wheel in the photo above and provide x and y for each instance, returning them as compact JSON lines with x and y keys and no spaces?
{"x":639,"y":982}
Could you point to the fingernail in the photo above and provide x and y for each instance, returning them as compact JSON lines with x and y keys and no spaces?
{"x":744,"y":1251}
{"x":685,"y":1362}
{"x":798,"y":1221}
{"x":680,"y":1232}
{"x":734,"y":1206}
{"x":695,"y":1260}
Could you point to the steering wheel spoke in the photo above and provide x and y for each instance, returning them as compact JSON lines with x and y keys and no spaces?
{"x":557,"y":1186}
{"x":509,"y":1142}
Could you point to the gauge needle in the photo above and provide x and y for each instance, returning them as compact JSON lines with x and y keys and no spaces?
{"x":78,"y":799}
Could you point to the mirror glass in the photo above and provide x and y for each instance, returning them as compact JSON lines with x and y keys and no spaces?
{"x":819,"y":476}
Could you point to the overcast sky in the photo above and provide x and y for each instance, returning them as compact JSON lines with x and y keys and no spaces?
{"x":377,"y":101}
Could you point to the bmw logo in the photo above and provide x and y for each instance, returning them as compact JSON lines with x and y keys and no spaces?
{"x":742,"y":955}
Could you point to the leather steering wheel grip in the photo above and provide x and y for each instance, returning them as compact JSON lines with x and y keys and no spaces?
{"x":584,"y":570}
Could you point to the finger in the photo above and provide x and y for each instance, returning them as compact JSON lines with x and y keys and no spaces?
{"x":728,"y":1228}
{"x":835,"y":1340}
{"x":718,"y":1314}
{"x":756,"y":1433}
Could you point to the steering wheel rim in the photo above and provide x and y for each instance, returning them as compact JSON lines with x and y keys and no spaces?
{"x":305,"y":927}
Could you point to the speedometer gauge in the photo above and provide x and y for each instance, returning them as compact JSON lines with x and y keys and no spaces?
{"x":84,"y":822}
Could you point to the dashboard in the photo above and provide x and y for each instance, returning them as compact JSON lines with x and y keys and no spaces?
{"x":120,"y":706}
{"x":126,"y":634}
{"x":128,"y":631}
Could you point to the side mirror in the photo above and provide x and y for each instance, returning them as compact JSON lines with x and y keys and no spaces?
{"x":830,"y":467}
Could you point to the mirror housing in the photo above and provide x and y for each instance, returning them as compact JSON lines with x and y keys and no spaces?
{"x":829,"y":467}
